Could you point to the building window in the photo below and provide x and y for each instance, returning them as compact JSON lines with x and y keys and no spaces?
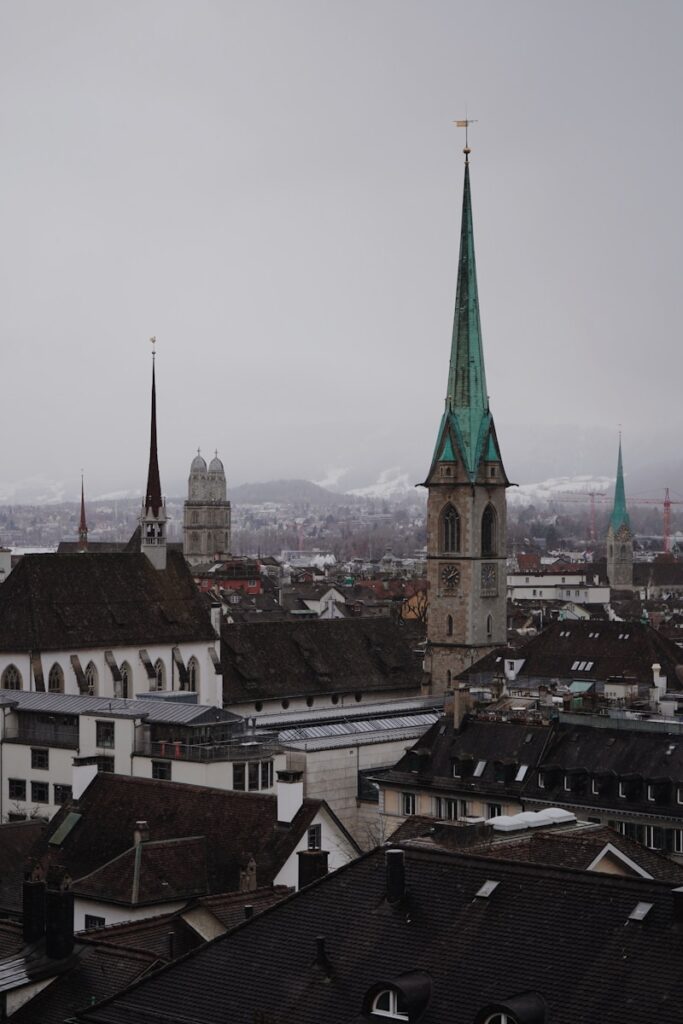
{"x":238,"y":775}
{"x":450,"y":529}
{"x":55,"y":680}
{"x":91,"y":679}
{"x":193,"y":674}
{"x":446,"y":809}
{"x":488,"y":531}
{"x":479,"y":770}
{"x":17,"y":789}
{"x":650,"y":792}
{"x":11,"y":678}
{"x":489,"y":627}
{"x":93,"y":921}
{"x":40,"y":792}
{"x":40,"y":758}
{"x":449,"y":625}
{"x":254,"y":775}
{"x":105,"y":763}
{"x":407,"y":803}
{"x":677,"y":844}
{"x":309,"y":702}
{"x":104,"y":734}
{"x":358,"y":697}
{"x":654,"y":837}
{"x":159,"y":675}
{"x":389,"y":1003}
{"x":126,"y":677}
{"x":258,"y":706}
{"x":62,"y":793}
{"x":494,"y":810}
{"x":285,"y":703}
{"x":315,"y":837}
{"x":266,"y":774}
{"x":161,"y":770}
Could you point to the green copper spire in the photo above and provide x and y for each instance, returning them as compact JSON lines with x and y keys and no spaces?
{"x":619,"y":512}
{"x":467,"y":426}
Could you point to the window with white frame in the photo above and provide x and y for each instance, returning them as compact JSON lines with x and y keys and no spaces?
{"x":567,"y":783}
{"x":622,"y":790}
{"x":595,"y":786}
{"x":446,"y":808}
{"x":677,"y":844}
{"x":650,"y":792}
{"x":389,"y":1003}
{"x":654,"y":837}
{"x":407,"y":803}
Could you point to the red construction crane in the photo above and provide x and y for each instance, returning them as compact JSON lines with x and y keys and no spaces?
{"x":666,"y":514}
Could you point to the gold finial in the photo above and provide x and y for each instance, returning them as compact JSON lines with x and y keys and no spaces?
{"x":465,"y":124}
{"x":153,"y":342}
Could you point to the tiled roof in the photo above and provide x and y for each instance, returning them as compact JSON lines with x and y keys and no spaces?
{"x":53,"y":602}
{"x":277,"y":659}
{"x":236,"y":826}
{"x":17,"y":839}
{"x":567,"y":936}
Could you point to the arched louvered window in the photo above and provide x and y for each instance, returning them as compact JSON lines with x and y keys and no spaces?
{"x":160,"y":675}
{"x":488,"y":531}
{"x":55,"y":680}
{"x":193,"y":674}
{"x":11,"y":678}
{"x":450,"y":529}
{"x":126,"y":680}
{"x":91,"y":679}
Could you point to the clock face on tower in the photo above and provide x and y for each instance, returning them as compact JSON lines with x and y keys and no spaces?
{"x":489,"y":578}
{"x":450,"y":576}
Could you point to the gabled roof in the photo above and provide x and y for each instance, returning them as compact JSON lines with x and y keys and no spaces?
{"x":235,"y":826}
{"x":262,"y":660}
{"x":475,"y":946}
{"x":53,"y":602}
{"x":151,"y":872}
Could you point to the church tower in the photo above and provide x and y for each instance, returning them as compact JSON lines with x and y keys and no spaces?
{"x":153,"y":515}
{"x":620,"y":537}
{"x":206,"y":517}
{"x":82,"y":526}
{"x":466,"y":509}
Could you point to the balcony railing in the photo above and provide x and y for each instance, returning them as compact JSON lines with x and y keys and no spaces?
{"x":178,"y":751}
{"x":44,"y":735}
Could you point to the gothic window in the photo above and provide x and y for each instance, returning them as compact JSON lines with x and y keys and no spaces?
{"x":55,"y":680}
{"x":11,"y":678}
{"x":194,"y":542}
{"x":195,"y":518}
{"x":126,"y":680}
{"x":91,"y":679}
{"x":489,"y":627}
{"x":160,"y":674}
{"x":488,"y":531}
{"x":449,"y":625}
{"x":450,"y":529}
{"x":193,"y":674}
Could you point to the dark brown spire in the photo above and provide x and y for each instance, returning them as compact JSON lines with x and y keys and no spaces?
{"x":82,"y":526}
{"x":153,"y":498}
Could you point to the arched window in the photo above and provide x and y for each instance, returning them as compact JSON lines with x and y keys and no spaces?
{"x":449,"y":625}
{"x":195,"y":518}
{"x":389,"y":1003}
{"x":126,"y":680}
{"x":193,"y":674}
{"x":488,"y":531}
{"x":160,"y":673}
{"x":500,"y":1018}
{"x":194,"y":542}
{"x":91,"y":679}
{"x":11,"y":678}
{"x":489,"y":627}
{"x":55,"y":680}
{"x":450,"y":529}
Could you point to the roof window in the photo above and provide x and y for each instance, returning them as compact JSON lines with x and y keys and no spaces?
{"x":389,"y":1003}
{"x":479,"y":770}
{"x":640,"y":911}
{"x":487,"y":889}
{"x":521,"y":772}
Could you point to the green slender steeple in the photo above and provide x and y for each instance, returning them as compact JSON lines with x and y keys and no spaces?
{"x":467,"y":427}
{"x":619,"y":512}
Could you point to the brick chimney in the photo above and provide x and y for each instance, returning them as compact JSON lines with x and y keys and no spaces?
{"x":59,"y":923}
{"x":33,"y":910}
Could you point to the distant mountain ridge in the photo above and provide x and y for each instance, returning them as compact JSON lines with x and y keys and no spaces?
{"x":290,"y":492}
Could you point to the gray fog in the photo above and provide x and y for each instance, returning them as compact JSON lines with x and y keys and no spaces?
{"x":273,"y":189}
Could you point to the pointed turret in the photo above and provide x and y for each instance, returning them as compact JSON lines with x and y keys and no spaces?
{"x":466,"y":430}
{"x":153,"y":515}
{"x":620,"y":536}
{"x":619,"y":511}
{"x":82,"y":526}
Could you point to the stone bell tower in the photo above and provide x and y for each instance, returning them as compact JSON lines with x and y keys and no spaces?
{"x":466,"y":507}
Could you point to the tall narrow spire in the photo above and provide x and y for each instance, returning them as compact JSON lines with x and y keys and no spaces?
{"x":82,"y":526}
{"x":619,"y":512}
{"x":153,"y":498}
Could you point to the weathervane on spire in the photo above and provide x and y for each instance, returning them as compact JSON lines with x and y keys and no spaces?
{"x":465,"y":124}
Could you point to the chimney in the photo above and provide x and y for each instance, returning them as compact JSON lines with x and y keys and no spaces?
{"x":33,"y":903}
{"x":677,"y":895}
{"x":290,"y":795}
{"x":312,"y":866}
{"x":462,"y":703}
{"x":248,"y":911}
{"x":59,"y":923}
{"x":140,"y":833}
{"x":396,"y":876}
{"x":216,"y":617}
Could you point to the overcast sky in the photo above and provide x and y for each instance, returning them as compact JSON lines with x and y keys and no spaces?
{"x":274,"y":190}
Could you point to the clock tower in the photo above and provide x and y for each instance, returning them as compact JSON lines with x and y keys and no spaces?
{"x":466,"y":509}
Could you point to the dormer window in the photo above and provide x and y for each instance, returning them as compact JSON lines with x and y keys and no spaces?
{"x":389,"y":1003}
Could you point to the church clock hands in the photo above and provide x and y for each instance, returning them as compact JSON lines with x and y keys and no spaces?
{"x":450,"y":576}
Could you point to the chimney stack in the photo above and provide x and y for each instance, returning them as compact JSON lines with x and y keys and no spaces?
{"x":677,"y":895}
{"x":462,"y":702}
{"x":396,"y":876}
{"x":59,"y":923}
{"x":33,"y":903}
{"x":248,"y":911}
{"x":290,"y":795}
{"x":312,"y":866}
